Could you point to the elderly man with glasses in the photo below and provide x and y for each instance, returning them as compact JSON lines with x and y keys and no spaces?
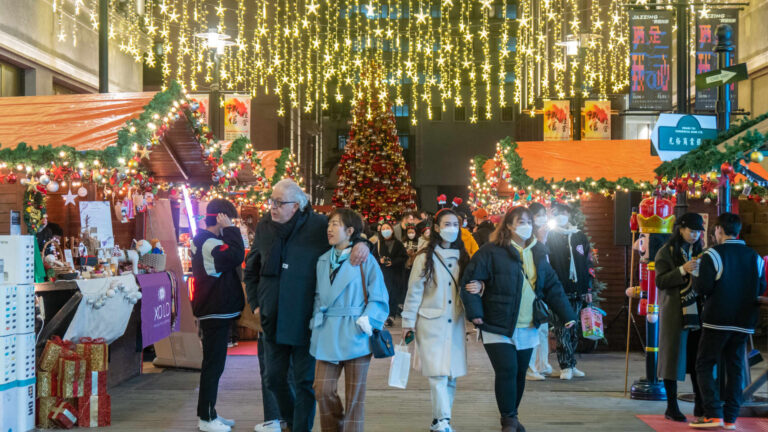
{"x":280,"y":283}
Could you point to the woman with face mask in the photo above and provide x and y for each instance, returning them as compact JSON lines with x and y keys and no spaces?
{"x":392,"y":256}
{"x":679,"y":324}
{"x":570,"y":254}
{"x":501,"y":284}
{"x":434,"y":312}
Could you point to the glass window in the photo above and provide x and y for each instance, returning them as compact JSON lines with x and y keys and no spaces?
{"x":10,"y":80}
{"x":459,"y":114}
{"x":404,"y":141}
{"x":400,"y":110}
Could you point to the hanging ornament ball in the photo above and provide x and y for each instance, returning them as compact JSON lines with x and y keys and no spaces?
{"x":11,"y":178}
{"x":53,"y":186}
{"x":713,"y":176}
{"x":756,"y":156}
{"x":707,"y":200}
{"x":44,"y":180}
{"x":82,"y":192}
{"x":24,"y":181}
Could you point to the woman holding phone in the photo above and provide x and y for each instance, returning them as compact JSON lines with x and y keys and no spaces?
{"x":434,"y":312}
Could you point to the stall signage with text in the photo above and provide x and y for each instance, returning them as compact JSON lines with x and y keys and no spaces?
{"x":650,"y":50}
{"x":677,"y":134}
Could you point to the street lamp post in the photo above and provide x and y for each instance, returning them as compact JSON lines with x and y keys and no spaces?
{"x":215,"y":43}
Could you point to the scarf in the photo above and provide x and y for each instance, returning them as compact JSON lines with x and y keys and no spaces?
{"x":274,"y":259}
{"x":572,"y":275}
{"x":688,"y":298}
{"x":529,"y":265}
{"x":337,"y":259}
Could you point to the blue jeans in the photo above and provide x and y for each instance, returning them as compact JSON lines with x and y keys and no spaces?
{"x":297,"y":405}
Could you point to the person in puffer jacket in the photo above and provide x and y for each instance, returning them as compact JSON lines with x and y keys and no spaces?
{"x":217,"y":299}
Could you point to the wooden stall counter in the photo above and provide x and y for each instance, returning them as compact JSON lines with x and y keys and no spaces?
{"x":60,"y":300}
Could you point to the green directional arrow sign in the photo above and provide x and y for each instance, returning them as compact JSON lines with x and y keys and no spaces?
{"x":719,"y":77}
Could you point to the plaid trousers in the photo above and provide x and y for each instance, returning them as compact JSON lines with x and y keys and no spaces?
{"x":332,"y":415}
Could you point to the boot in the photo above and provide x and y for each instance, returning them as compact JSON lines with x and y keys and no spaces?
{"x":509,"y":424}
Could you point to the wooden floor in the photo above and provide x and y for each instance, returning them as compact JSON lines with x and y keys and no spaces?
{"x":166,"y":401}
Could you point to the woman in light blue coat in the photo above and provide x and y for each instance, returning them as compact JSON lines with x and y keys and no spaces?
{"x":346,"y":312}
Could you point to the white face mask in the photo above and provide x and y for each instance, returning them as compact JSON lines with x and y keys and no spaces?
{"x":449,"y":234}
{"x":386,"y":233}
{"x":524,"y":231}
{"x":540,"y":221}
{"x":562,"y":220}
{"x":411,"y":236}
{"x":464,"y":224}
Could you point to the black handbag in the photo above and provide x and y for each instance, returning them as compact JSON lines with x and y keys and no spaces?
{"x":381,"y":340}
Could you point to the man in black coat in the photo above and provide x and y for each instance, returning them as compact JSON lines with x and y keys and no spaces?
{"x":730,"y":277}
{"x":280,"y":278}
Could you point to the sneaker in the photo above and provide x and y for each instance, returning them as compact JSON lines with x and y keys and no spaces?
{"x":729,"y":426}
{"x":707,"y":423}
{"x":270,"y":426}
{"x":566,"y":374}
{"x":442,"y":425}
{"x":578,"y":373}
{"x":532,"y":375}
{"x":226,"y":421}
{"x":212,"y":426}
{"x":230,"y":345}
{"x":547,"y":370}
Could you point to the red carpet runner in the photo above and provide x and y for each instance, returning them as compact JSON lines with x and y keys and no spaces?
{"x":660,"y":424}
{"x":244,"y":348}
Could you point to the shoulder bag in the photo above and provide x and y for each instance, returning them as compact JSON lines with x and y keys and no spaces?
{"x":381,"y":340}
{"x":540,"y":308}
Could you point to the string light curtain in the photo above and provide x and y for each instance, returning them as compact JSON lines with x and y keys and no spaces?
{"x":478,"y":54}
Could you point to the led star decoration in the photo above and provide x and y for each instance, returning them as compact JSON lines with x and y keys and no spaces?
{"x":69,"y":198}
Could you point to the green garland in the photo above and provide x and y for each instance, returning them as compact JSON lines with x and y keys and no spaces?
{"x":34,"y":208}
{"x":280,"y":165}
{"x":708,"y":157}
{"x":479,"y":161}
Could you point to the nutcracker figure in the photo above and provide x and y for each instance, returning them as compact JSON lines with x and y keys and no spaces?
{"x":654,"y":222}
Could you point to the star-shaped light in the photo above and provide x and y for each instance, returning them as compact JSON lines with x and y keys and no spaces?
{"x":69,"y":198}
{"x":421,"y":17}
{"x":312,"y":8}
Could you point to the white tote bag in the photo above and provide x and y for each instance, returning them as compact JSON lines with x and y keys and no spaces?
{"x":400,"y":367}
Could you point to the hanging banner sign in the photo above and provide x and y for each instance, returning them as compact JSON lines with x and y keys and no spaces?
{"x":650,"y":51}
{"x":237,"y":116}
{"x":706,"y":57}
{"x":676,"y":134}
{"x":557,"y":120}
{"x":597,"y":120}
{"x":204,"y":101}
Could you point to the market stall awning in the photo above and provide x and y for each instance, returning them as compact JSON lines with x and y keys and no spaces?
{"x":82,"y":121}
{"x":568,"y":160}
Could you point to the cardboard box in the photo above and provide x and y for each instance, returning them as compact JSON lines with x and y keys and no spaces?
{"x":8,"y":360}
{"x":9,"y":320}
{"x":25,"y":308}
{"x":25,"y":357}
{"x":8,"y":408}
{"x":25,"y":407}
{"x":17,"y":259}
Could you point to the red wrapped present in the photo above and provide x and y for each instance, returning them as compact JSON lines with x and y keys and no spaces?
{"x":64,"y":415}
{"x":95,"y":383}
{"x":54,"y":348}
{"x":44,"y":406}
{"x":71,"y":376}
{"x":94,"y":351}
{"x":94,"y":411}
{"x":47,"y":384}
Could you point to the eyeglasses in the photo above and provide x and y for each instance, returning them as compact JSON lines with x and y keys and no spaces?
{"x":274,"y":203}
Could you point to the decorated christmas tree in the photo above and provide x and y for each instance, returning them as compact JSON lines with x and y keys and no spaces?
{"x":373,"y":176}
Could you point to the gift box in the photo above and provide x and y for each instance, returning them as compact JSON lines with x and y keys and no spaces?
{"x":44,"y":406}
{"x":54,"y":348}
{"x":94,"y":351}
{"x":592,"y":323}
{"x":95,"y":383}
{"x":94,"y":411}
{"x":63,"y":415}
{"x":47,"y":384}
{"x":71,"y":376}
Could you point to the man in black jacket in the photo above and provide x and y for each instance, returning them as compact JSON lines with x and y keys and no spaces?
{"x":571,"y":256}
{"x":217,"y":299}
{"x":730,"y":278}
{"x":280,"y":280}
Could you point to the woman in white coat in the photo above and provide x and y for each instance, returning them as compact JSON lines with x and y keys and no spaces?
{"x":434,"y":312}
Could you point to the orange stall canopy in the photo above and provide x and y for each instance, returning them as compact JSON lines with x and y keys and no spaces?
{"x":567,"y":160}
{"x":82,"y":121}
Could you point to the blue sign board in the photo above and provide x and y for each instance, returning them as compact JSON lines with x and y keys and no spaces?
{"x":677,"y":134}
